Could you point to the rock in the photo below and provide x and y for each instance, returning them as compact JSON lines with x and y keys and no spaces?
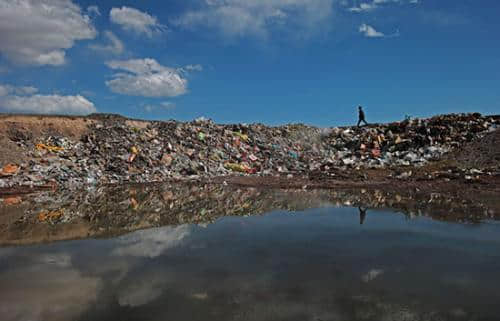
{"x":167,"y":159}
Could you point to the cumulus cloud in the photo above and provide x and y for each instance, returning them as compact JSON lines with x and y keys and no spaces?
{"x":257,"y":17}
{"x":114,"y":46}
{"x":22,"y":100}
{"x":134,"y":20}
{"x":37,"y":32}
{"x":146,"y":77}
{"x":369,"y":31}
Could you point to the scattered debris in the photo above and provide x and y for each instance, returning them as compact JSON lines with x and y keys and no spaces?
{"x":50,"y":215}
{"x":13,"y":200}
{"x":9,"y":170}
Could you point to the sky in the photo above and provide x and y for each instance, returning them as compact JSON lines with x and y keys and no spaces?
{"x":265,"y":61}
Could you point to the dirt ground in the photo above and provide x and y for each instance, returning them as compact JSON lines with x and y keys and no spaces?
{"x":479,"y":154}
{"x":27,"y":127}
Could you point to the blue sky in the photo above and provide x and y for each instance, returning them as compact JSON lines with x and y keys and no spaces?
{"x":268,"y":61}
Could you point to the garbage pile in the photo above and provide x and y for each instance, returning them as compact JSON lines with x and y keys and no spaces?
{"x":115,"y":151}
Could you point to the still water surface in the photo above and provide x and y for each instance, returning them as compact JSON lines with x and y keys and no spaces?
{"x":318,"y":264}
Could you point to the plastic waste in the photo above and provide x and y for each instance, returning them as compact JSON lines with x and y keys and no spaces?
{"x":41,"y":146}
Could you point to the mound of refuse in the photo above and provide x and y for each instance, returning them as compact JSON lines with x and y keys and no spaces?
{"x":115,"y":150}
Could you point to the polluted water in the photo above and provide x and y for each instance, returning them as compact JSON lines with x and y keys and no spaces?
{"x":193,"y":252}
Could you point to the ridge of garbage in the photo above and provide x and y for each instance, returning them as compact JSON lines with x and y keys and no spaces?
{"x":114,"y":151}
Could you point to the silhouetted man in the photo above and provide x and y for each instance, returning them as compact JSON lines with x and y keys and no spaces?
{"x":361,"y":117}
{"x":362,"y":215}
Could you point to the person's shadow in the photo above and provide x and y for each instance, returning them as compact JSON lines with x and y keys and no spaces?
{"x":362,"y":215}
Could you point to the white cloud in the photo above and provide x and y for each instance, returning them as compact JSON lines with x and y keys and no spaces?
{"x":369,"y":6}
{"x":257,"y":17}
{"x":363,"y":7}
{"x":37,"y":32}
{"x":26,"y":90}
{"x":138,"y":294}
{"x":46,"y":291}
{"x":385,"y":1}
{"x":134,"y":20}
{"x":115,"y":46}
{"x":166,"y":105}
{"x":190,"y":68}
{"x":143,"y":288}
{"x":372,"y":275}
{"x":152,"y":242}
{"x":146,"y":77}
{"x":369,"y":31}
{"x":23,"y":90}
{"x":194,"y":67}
{"x":4,"y":91}
{"x":21,"y":100}
{"x":93,"y":11}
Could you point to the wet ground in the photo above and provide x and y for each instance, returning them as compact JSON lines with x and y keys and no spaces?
{"x":214,"y":252}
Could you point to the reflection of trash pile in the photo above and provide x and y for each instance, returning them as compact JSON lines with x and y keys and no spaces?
{"x":115,"y":151}
{"x":129,"y":208}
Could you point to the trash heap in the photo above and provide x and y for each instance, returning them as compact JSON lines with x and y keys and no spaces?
{"x":411,"y":142}
{"x":115,"y":151}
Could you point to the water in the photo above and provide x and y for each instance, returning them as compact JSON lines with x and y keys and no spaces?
{"x":316,"y":264}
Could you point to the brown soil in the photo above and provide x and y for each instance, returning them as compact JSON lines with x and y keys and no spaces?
{"x":482,"y":153}
{"x":27,"y":127}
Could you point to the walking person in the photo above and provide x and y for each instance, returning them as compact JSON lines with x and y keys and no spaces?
{"x":362,"y":215}
{"x":361,"y":117}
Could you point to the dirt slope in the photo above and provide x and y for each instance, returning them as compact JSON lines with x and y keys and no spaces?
{"x":21,"y":127}
{"x":481,"y":153}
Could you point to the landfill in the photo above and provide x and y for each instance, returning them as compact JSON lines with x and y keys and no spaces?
{"x":115,"y":150}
